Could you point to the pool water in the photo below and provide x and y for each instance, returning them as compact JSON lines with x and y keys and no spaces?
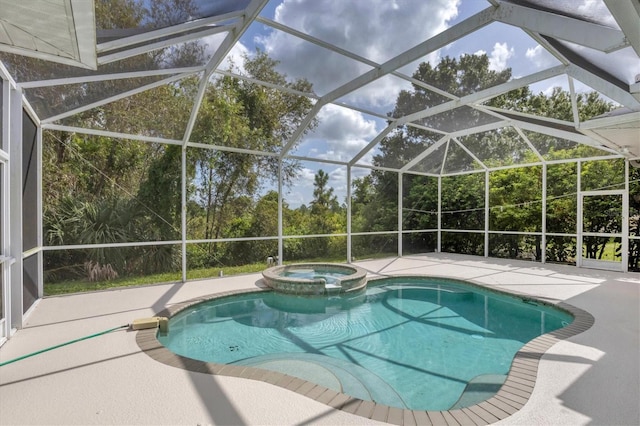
{"x":329,"y":275}
{"x":413,"y":343}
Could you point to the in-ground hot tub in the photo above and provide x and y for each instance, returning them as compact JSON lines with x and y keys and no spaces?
{"x":315,"y":278}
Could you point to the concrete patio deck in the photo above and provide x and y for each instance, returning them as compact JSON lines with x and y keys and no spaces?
{"x":590,"y":378}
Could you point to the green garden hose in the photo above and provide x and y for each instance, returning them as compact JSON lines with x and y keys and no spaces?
{"x":62,"y":344}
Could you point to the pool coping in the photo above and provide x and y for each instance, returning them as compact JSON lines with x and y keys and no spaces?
{"x":512,"y":396}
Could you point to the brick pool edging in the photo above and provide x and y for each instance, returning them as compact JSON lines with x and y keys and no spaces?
{"x":511,"y":397}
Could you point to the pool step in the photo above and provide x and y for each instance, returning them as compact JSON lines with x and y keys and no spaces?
{"x":338,"y":375}
{"x":479,"y":389}
{"x":332,"y":288}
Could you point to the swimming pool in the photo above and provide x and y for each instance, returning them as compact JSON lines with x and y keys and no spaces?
{"x":408,"y":342}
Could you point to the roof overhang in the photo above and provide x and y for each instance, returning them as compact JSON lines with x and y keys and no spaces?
{"x":619,"y":130}
{"x":61,"y":31}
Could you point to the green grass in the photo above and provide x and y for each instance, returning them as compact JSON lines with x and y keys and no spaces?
{"x":80,"y":286}
{"x":609,"y":251}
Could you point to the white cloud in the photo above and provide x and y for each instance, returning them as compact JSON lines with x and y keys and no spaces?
{"x":500,"y":54}
{"x":374,"y":29}
{"x":343,"y":133}
{"x":539,"y":57}
{"x":211,"y":43}
{"x":300,"y":192}
{"x":546,"y":86}
{"x":622,"y":64}
{"x":295,"y":198}
{"x":597,"y":9}
{"x":379,"y":96}
{"x":235,"y":58}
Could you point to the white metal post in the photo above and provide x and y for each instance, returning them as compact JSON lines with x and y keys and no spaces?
{"x":486,"y":213}
{"x":5,"y":260}
{"x":280,"y":222}
{"x":5,"y":269}
{"x":578,"y":214}
{"x":543,"y":238}
{"x":625,"y":220}
{"x":349,"y":257}
{"x":39,"y":208}
{"x":400,"y":207}
{"x":439,"y":249}
{"x":183,"y":216}
{"x":15,"y":202}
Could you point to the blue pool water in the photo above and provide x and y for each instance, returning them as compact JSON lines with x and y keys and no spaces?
{"x":412,"y":343}
{"x":329,"y":275}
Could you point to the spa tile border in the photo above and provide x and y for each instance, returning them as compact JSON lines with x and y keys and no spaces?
{"x":511,"y":397}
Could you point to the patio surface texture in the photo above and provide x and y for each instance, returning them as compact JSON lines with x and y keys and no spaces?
{"x":590,"y":378}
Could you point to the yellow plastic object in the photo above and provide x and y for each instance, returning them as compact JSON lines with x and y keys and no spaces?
{"x":163,"y":324}
{"x":153,"y":322}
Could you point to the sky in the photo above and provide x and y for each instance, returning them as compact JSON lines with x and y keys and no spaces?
{"x":378,"y":30}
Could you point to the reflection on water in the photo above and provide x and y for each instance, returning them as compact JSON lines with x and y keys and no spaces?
{"x":331,"y":276}
{"x":425,"y":339}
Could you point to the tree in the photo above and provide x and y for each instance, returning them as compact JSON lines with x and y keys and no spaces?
{"x":239,"y":114}
{"x":468,"y":74}
{"x":515,"y":197}
{"x":515,"y":193}
{"x":326,"y":217}
{"x":260,"y":219}
{"x":323,"y":198}
{"x":106,"y":190}
{"x":159,"y":197}
{"x":99,"y":172}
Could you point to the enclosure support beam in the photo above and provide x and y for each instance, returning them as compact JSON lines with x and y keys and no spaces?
{"x":121,"y":41}
{"x":280,"y":222}
{"x":578,"y":214}
{"x":5,"y":208}
{"x":573,"y":30}
{"x":485,"y":94}
{"x":373,"y":143}
{"x":183,"y":209}
{"x":160,"y":44}
{"x":349,"y":255}
{"x":543,"y":238}
{"x":114,"y":98}
{"x":625,"y":220}
{"x":575,"y":137}
{"x":400,"y":207}
{"x":486,"y":213}
{"x":107,"y":77}
{"x":297,"y":134}
{"x":609,"y":87}
{"x":15,"y":210}
{"x":627,"y":14}
{"x":252,"y":10}
{"x":439,"y":249}
{"x":39,"y":211}
{"x":574,"y":103}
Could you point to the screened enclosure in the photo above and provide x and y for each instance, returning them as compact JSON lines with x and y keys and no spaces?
{"x":196,"y":139}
